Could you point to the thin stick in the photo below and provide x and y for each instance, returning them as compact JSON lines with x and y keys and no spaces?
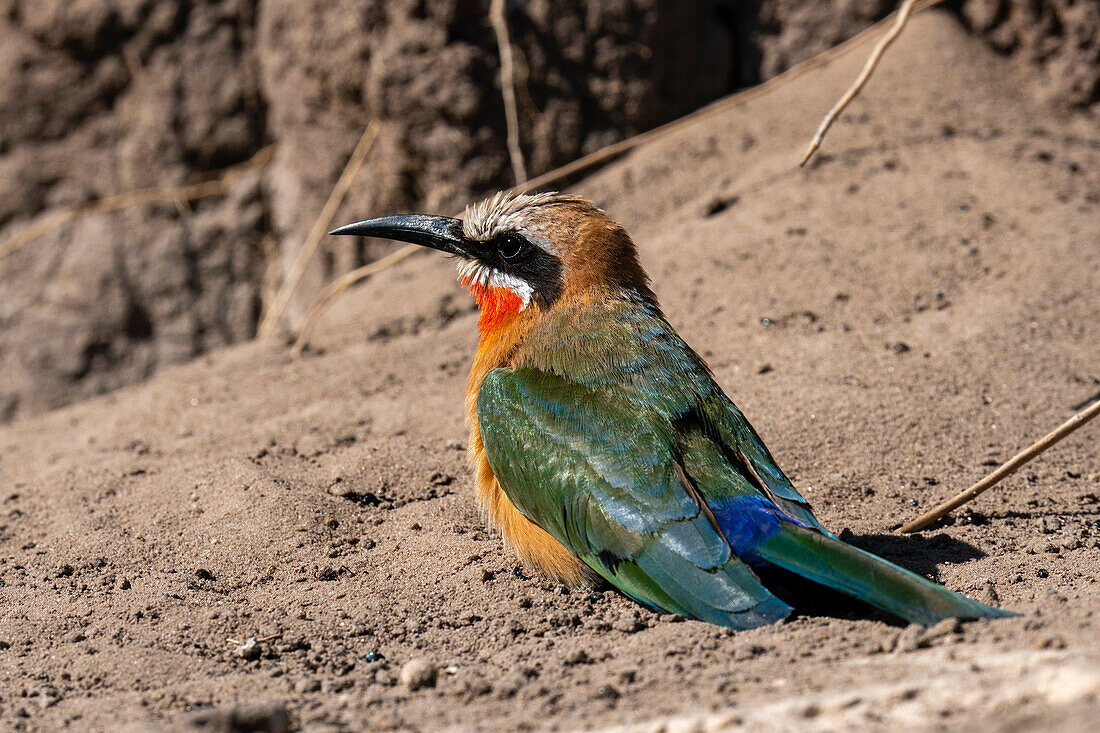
{"x":907,"y":8}
{"x":261,"y":640}
{"x":1004,"y":471}
{"x":508,"y":88}
{"x":610,"y":152}
{"x":337,"y":287}
{"x":798,"y":70}
{"x":215,"y":187}
{"x":320,"y":227}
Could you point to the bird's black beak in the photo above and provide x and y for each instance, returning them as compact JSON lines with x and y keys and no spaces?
{"x":438,"y":232}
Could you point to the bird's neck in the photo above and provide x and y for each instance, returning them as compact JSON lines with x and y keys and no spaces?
{"x":585,"y":337}
{"x":501,"y":329}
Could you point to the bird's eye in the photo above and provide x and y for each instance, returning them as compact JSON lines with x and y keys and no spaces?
{"x":510,"y":246}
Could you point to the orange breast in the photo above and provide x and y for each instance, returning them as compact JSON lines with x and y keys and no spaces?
{"x":534,"y":546}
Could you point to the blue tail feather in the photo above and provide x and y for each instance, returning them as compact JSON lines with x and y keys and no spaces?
{"x":761,"y":535}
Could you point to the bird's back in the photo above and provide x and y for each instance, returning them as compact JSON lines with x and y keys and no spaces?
{"x":618,"y":344}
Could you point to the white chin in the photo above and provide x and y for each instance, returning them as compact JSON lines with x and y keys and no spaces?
{"x":472,"y":273}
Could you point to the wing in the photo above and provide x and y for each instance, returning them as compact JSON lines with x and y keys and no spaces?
{"x":666,"y":377}
{"x":743,"y":449}
{"x":603,"y":478}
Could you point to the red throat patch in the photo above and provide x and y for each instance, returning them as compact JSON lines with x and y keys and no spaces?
{"x":498,"y":306}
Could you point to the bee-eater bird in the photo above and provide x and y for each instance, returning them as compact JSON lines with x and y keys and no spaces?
{"x":601,"y":444}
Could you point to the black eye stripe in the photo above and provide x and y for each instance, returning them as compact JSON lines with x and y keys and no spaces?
{"x":515,"y":255}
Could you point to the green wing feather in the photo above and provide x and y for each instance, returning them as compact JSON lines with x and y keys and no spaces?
{"x":601,"y":477}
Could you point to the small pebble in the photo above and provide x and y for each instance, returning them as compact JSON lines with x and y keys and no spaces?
{"x":607,"y":692}
{"x":947,"y":627}
{"x":249,"y":650}
{"x":629,"y":625}
{"x":1049,"y":525}
{"x":476,"y":688}
{"x":417,"y":674}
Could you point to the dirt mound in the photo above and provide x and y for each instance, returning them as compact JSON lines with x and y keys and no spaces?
{"x":159,"y":92}
{"x":904,"y":313}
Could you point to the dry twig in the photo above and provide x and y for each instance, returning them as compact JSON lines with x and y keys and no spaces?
{"x":1004,"y":471}
{"x":320,"y":227}
{"x":261,"y":640}
{"x":907,"y":8}
{"x":216,"y":187}
{"x":508,"y":88}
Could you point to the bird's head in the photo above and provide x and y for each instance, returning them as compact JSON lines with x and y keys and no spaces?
{"x":525,"y":253}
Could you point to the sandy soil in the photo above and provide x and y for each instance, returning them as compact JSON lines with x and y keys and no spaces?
{"x":895,"y":320}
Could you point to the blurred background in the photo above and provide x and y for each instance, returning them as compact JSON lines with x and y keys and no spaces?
{"x":102,"y":97}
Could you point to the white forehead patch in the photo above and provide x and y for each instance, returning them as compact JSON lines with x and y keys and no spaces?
{"x":510,"y":212}
{"x":474,"y":275}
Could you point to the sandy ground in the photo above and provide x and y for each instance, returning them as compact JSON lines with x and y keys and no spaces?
{"x":895,"y":320}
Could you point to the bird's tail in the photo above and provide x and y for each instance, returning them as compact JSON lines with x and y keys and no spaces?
{"x":860,"y":574}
